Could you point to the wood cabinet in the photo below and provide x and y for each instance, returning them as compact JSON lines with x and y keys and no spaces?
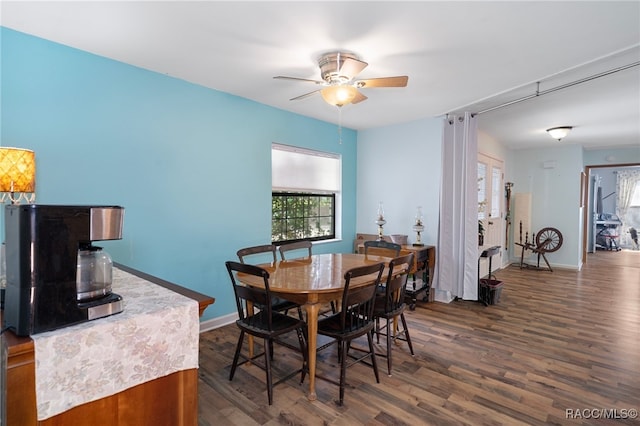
{"x":169,"y":400}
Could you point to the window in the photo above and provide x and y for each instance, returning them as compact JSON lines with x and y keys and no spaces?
{"x":496,"y":191}
{"x":297,"y":216}
{"x":635,"y":197}
{"x":489,"y":188}
{"x":482,"y":190}
{"x":305,"y":194}
{"x":490,"y":199}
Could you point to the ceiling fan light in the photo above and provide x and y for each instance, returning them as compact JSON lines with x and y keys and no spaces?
{"x":559,"y":132}
{"x":339,"y":95}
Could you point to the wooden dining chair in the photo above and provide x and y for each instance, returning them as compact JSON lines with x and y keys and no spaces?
{"x":297,"y":246}
{"x":305,"y":248}
{"x":355,"y":319}
{"x":266,"y":324}
{"x":390,"y":305}
{"x":267,"y":253}
{"x":382,"y":248}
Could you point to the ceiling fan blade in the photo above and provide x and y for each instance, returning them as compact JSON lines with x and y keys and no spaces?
{"x":352,"y":67}
{"x":359,"y":98}
{"x":281,"y":77}
{"x":399,"y":81}
{"x":304,"y":96}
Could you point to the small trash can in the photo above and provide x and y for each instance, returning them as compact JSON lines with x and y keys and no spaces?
{"x":490,"y":291}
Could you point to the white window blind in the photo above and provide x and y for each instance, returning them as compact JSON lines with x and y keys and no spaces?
{"x":303,"y":170}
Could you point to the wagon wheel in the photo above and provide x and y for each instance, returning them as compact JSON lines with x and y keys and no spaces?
{"x":549,"y":240}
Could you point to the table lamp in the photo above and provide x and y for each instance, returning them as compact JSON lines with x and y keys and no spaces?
{"x":17,"y":175}
{"x":380,"y":221}
{"x":418,"y":227}
{"x":17,"y":182}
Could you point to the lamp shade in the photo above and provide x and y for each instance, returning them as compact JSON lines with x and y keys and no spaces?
{"x":338,"y":95}
{"x":17,"y":170}
{"x":559,"y":132}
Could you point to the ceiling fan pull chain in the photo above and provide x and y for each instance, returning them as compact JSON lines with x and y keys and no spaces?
{"x":339,"y":124}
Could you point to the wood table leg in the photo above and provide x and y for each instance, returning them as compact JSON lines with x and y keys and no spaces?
{"x":312,"y":343}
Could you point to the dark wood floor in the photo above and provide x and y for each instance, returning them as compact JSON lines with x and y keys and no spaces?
{"x":558,"y":345}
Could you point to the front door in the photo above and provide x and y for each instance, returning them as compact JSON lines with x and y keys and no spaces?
{"x":491,"y":205}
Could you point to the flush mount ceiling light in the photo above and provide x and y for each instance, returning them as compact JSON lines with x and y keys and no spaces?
{"x":559,"y":132}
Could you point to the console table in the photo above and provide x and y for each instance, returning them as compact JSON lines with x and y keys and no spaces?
{"x":424,"y":260}
{"x":172,"y":399}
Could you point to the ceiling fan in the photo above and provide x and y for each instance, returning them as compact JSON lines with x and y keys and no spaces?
{"x":338,"y":71}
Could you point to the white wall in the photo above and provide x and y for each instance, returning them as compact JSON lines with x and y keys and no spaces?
{"x":400,"y":166}
{"x":490,"y":146}
{"x":555,"y":196}
{"x":600,"y":157}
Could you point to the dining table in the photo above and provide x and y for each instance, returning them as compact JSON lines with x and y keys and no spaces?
{"x":313,"y":282}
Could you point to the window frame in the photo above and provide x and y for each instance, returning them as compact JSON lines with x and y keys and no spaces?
{"x":331,"y":236}
{"x":294,"y":188}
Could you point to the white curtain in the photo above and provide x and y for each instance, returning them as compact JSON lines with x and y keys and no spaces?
{"x":457,"y":258}
{"x":625,"y":186}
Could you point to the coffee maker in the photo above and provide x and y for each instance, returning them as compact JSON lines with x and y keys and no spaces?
{"x":52,"y":265}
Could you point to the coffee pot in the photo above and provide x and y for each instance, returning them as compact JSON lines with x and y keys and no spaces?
{"x":55,"y":276}
{"x":94,"y":275}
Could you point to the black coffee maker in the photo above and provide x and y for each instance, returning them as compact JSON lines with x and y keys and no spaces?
{"x":44,"y":269}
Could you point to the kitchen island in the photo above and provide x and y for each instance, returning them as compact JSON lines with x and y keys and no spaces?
{"x":170,"y":399}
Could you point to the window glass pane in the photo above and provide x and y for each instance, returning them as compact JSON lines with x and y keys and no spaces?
{"x":300,"y":217}
{"x":482,"y":192}
{"x":496,"y":179}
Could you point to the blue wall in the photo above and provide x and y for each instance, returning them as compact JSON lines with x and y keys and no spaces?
{"x":191,"y":165}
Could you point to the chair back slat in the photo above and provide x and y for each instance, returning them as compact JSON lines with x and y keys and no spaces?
{"x":382,"y":248}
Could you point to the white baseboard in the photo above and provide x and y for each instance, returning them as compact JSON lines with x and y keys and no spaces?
{"x":214,"y":323}
{"x":543,"y":266}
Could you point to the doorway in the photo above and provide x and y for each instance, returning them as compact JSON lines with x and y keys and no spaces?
{"x":599,"y":198}
{"x":491,"y":205}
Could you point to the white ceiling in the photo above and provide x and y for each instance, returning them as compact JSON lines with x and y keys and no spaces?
{"x":458,"y":56}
